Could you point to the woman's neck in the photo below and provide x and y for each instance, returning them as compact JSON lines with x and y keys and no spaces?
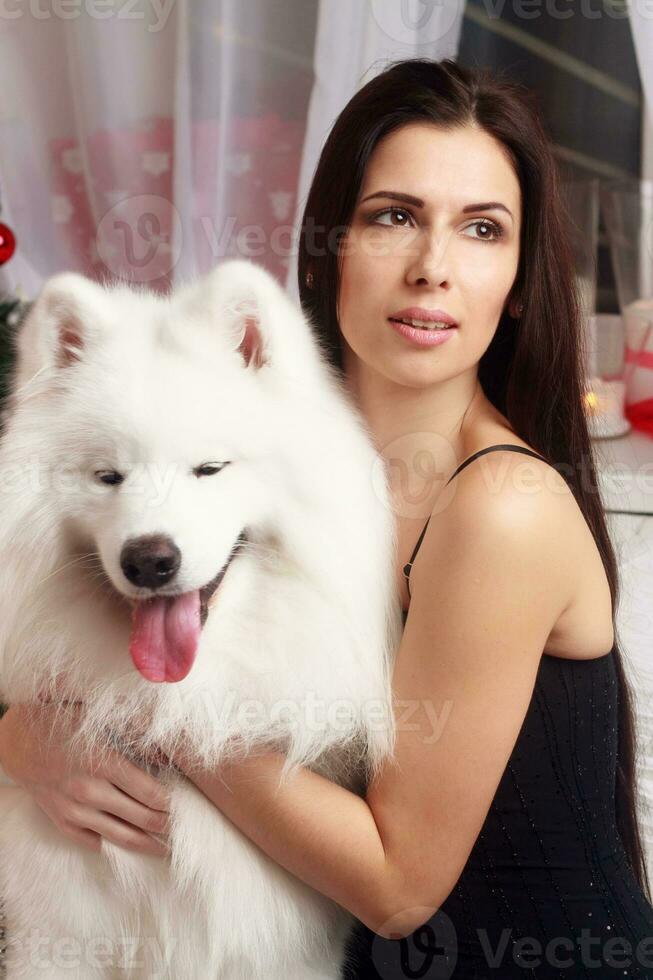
{"x":421,"y":433}
{"x":397,"y":412}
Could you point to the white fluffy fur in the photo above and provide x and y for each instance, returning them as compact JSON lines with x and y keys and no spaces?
{"x":111,"y":376}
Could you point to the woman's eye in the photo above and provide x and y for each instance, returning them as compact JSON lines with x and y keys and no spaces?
{"x":492,"y":231}
{"x":495,"y":229}
{"x":391,"y":211}
{"x":111,"y":477}
{"x":209,"y":469}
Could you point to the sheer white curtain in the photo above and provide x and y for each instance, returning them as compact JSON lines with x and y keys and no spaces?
{"x":641,"y":23}
{"x":148,"y":140}
{"x":351,"y":49}
{"x":635,"y":562}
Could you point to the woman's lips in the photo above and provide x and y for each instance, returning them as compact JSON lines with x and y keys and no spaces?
{"x":422,"y":337}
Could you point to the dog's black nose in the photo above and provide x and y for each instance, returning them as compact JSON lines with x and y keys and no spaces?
{"x":150,"y":561}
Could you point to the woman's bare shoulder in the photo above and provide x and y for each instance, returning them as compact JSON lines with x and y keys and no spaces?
{"x":509,"y":481}
{"x":507,"y":499}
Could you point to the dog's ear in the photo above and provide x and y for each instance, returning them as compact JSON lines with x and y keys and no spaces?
{"x":252,"y":346}
{"x":238,"y":286}
{"x":59,"y":326}
{"x":247,"y":311}
{"x":240,"y":301}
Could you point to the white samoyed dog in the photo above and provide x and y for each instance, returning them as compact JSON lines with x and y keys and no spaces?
{"x":196,"y":530}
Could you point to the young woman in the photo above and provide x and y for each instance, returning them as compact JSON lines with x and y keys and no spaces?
{"x":504,"y":841}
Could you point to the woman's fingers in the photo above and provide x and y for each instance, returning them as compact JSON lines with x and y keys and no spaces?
{"x":80,"y":793}
{"x":115,"y":830}
{"x":138,"y":784}
{"x":107,"y":797}
{"x":86,"y":837}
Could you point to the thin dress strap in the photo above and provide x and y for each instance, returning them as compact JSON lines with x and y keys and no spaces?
{"x":466,"y":462}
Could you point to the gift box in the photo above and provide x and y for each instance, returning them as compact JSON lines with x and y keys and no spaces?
{"x":628,"y":210}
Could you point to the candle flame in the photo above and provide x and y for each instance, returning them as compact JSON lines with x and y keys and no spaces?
{"x":591,"y":401}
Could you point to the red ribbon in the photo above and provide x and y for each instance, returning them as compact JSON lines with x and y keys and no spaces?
{"x":642,"y":358}
{"x":640,"y":416}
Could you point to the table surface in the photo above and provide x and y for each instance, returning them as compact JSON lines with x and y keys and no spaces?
{"x":625,"y":471}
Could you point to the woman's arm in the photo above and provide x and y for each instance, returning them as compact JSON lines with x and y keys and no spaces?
{"x":317,"y":830}
{"x":488,"y":586}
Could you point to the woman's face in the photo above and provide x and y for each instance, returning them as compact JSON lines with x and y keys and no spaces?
{"x":430,"y":252}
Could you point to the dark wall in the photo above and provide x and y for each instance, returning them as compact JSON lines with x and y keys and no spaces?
{"x":579,"y":57}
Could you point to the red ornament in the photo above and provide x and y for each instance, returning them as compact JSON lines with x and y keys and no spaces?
{"x":7,"y":243}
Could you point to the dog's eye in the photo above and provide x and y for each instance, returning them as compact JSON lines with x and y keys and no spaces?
{"x":209,"y":469}
{"x":111,"y":477}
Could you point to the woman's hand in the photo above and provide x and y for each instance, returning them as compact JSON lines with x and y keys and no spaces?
{"x":85,"y":799}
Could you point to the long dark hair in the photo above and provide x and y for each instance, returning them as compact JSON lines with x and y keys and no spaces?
{"x":531,"y":372}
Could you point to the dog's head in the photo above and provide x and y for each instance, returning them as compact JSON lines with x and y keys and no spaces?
{"x":163,"y":429}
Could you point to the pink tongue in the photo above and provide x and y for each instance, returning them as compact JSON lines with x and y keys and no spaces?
{"x":165,"y":636}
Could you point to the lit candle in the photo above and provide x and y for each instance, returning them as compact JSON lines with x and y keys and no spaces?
{"x":604,"y":405}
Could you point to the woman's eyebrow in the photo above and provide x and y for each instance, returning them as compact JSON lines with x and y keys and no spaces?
{"x":419,"y":203}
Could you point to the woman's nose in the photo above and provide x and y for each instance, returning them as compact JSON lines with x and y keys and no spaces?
{"x":431,"y":258}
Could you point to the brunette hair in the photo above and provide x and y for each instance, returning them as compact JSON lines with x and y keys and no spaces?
{"x":532,"y":372}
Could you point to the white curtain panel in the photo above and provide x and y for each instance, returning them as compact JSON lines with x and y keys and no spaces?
{"x":636,"y":563}
{"x":641,"y":22}
{"x":148,"y":139}
{"x":633,"y":538}
{"x":355,"y":40}
{"x":76,"y":98}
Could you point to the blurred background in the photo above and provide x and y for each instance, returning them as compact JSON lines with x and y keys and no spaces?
{"x":148,"y":139}
{"x":217,"y":109}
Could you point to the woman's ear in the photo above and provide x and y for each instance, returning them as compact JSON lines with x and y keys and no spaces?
{"x":515,"y":308}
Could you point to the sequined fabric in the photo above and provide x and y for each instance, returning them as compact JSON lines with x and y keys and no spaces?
{"x":547,"y":888}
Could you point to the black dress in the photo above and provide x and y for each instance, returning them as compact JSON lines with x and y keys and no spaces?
{"x":547,"y":891}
